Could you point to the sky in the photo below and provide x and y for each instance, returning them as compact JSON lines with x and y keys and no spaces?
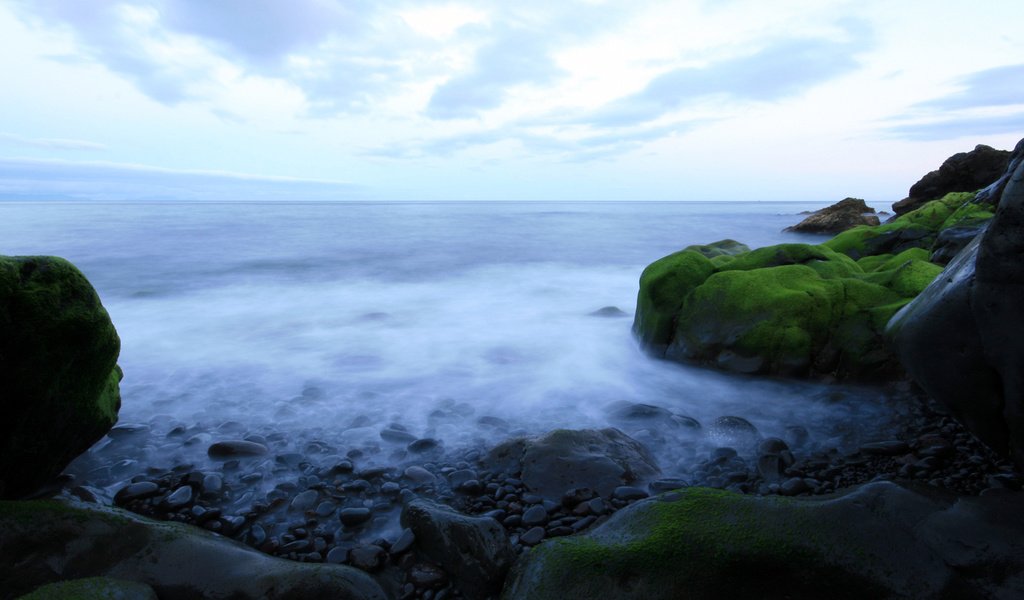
{"x":804,"y":100}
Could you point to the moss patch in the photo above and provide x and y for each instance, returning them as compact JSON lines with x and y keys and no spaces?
{"x":664,"y":285}
{"x":93,"y":588}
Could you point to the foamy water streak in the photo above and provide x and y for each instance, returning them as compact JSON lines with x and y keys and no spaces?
{"x":461,"y":322}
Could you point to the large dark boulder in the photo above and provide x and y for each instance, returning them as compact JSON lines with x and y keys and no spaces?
{"x":843,"y":215}
{"x":47,"y":541}
{"x":962,"y":172}
{"x":878,"y":541}
{"x":962,"y":339}
{"x":58,"y":370}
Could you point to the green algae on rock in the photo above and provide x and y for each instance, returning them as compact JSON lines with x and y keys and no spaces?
{"x":58,"y":370}
{"x":881,"y":540}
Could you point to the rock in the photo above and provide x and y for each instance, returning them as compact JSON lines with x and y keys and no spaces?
{"x":532,"y":536}
{"x":93,"y":588}
{"x":794,"y":486}
{"x":961,"y":339}
{"x":628,"y":493}
{"x":397,"y":436}
{"x":236,"y":448}
{"x":178,"y":498}
{"x":879,"y":541}
{"x":962,"y":172}
{"x":475,"y":551}
{"x":213,"y":483}
{"x":535,"y":515}
{"x":422,"y":445}
{"x":304,"y":500}
{"x":353,"y":517}
{"x":426,"y":575}
{"x":735,"y":431}
{"x":404,"y":542}
{"x":59,"y":379}
{"x":136,"y":491}
{"x":561,"y":460}
{"x":46,"y":541}
{"x":368,"y":558}
{"x":418,"y":474}
{"x":719,"y":248}
{"x":609,"y":311}
{"x":843,"y":215}
{"x":886,"y":448}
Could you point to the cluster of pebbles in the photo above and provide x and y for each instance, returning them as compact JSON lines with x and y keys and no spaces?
{"x":333,"y":504}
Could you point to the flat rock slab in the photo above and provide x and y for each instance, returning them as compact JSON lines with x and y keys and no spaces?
{"x":46,"y":541}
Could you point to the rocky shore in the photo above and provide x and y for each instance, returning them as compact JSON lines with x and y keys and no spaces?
{"x":924,"y":508}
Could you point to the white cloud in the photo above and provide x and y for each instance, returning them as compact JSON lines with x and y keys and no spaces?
{"x":51,"y":143}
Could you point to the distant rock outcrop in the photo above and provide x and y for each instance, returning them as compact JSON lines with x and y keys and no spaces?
{"x":962,"y":172}
{"x":962,"y":339}
{"x":58,"y":370}
{"x":845,"y":214}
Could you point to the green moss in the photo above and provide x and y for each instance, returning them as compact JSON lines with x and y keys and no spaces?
{"x":92,"y":588}
{"x":968,"y":213}
{"x":719,"y":249}
{"x":664,"y":286}
{"x":59,"y":369}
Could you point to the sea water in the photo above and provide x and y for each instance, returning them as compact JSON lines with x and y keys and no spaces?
{"x":465,"y":322}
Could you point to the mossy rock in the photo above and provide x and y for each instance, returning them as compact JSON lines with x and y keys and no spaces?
{"x":664,"y":285}
{"x":719,"y":248}
{"x":879,"y":541}
{"x":58,"y":368}
{"x":93,"y":588}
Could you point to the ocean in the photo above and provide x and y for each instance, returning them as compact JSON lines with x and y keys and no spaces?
{"x":464,"y":322}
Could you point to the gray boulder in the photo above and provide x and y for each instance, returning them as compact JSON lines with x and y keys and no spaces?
{"x":962,"y":172}
{"x":878,"y":541}
{"x":962,"y":338}
{"x":561,"y":460}
{"x":475,"y":550}
{"x":46,"y":541}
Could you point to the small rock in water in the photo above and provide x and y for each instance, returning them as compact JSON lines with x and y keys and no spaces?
{"x":422,"y":445}
{"x":772,"y":445}
{"x":180,"y":497}
{"x":426,"y":575}
{"x":367,"y":558}
{"x":137,"y":491}
{"x":213,"y":483}
{"x":418,"y":474}
{"x":404,"y":541}
{"x":627,"y":493}
{"x":535,"y":515}
{"x":770,"y":467}
{"x":325,"y":509}
{"x":231,"y":448}
{"x":350,"y":517}
{"x":396,"y":436}
{"x":797,"y":435}
{"x":305,"y":500}
{"x":734,"y":428}
{"x":337,"y":555}
{"x":609,"y":311}
{"x":665,"y":485}
{"x":794,"y":486}
{"x":532,"y":537}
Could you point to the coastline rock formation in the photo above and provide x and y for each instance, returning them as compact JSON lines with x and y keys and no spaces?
{"x":843,"y":215}
{"x":962,"y":172}
{"x":961,"y":338}
{"x":878,"y":541}
{"x":58,"y":370}
{"x":46,"y":541}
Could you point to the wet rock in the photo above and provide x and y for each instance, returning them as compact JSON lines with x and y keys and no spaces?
{"x":628,"y":493}
{"x":562,"y":460}
{"x":368,"y":558}
{"x":772,"y":445}
{"x":474,"y":550}
{"x":609,"y":311}
{"x":419,"y":475}
{"x":734,"y":431}
{"x":535,"y":515}
{"x":397,"y":436}
{"x":178,"y":498}
{"x":885,"y":448}
{"x":843,"y":215}
{"x":235,"y":448}
{"x":305,"y":500}
{"x":404,"y":542}
{"x":422,"y":445}
{"x":426,"y":575}
{"x":99,"y":588}
{"x":665,"y":485}
{"x":136,"y":491}
{"x":532,"y":536}
{"x":214,"y":483}
{"x":352,"y":517}
{"x":794,"y":486}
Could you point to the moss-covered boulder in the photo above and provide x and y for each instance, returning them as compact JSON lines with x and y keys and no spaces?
{"x":43,"y":542}
{"x":93,"y":588}
{"x":879,"y":541}
{"x":58,"y":370}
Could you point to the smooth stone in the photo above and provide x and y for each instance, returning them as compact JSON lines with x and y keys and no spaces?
{"x":532,"y":537}
{"x":794,"y":486}
{"x":214,"y":483}
{"x":368,"y":558}
{"x":396,"y":436}
{"x":232,"y":448}
{"x":337,"y":555}
{"x":608,"y":311}
{"x":325,"y":509}
{"x":772,"y":445}
{"x":461,"y":476}
{"x":535,"y":515}
{"x":666,"y":485}
{"x":179,"y":497}
{"x":770,"y":467}
{"x":404,"y":542}
{"x":629,"y":493}
{"x":797,"y":435}
{"x":137,"y":491}
{"x":418,"y":474}
{"x":305,"y":500}
{"x":351,"y":517}
{"x":422,"y":445}
{"x":426,"y":575}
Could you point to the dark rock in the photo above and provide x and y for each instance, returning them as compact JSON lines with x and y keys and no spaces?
{"x":368,"y":558}
{"x":628,"y":493}
{"x":58,"y":540}
{"x":576,"y":495}
{"x":352,"y":517}
{"x":305,"y":500}
{"x":609,"y":311}
{"x":233,"y":448}
{"x":473,"y":550}
{"x":535,"y":515}
{"x":886,"y":448}
{"x":562,"y":460}
{"x":962,"y":172}
{"x":961,"y":339}
{"x":214,"y":483}
{"x":136,"y":491}
{"x":772,"y":445}
{"x":845,"y":214}
{"x":98,"y":588}
{"x":178,"y":498}
{"x":397,"y":436}
{"x":666,"y":485}
{"x":879,"y":541}
{"x":58,"y":373}
{"x":419,"y":475}
{"x":532,"y":536}
{"x":404,"y":542}
{"x":426,"y":575}
{"x":952,"y":240}
{"x":422,"y":445}
{"x":794,"y":486}
{"x":735,"y":431}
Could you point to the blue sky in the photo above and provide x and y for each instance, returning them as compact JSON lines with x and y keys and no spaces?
{"x":528,"y":100}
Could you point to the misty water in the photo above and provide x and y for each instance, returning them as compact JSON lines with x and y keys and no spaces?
{"x":317,"y":325}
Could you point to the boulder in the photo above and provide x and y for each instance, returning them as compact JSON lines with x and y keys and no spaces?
{"x":877,"y":541}
{"x":962,"y":172}
{"x":843,"y":215}
{"x":58,"y":370}
{"x":93,"y":588}
{"x":562,"y":460}
{"x":962,"y":339}
{"x":474,"y":550}
{"x":46,"y":541}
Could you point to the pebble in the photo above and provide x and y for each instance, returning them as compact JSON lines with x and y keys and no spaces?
{"x":535,"y":515}
{"x":325,"y":509}
{"x":404,"y":542}
{"x":337,"y":555}
{"x":304,"y":501}
{"x":665,"y":485}
{"x":396,"y":436}
{"x":426,"y":575}
{"x":368,"y":558}
{"x":422,"y":445}
{"x":418,"y":474}
{"x":532,"y":536}
{"x":214,"y":483}
{"x":137,"y":491}
{"x":178,"y":498}
{"x":629,"y":493}
{"x":231,"y":448}
{"x":794,"y":486}
{"x":351,"y":517}
{"x":886,"y":448}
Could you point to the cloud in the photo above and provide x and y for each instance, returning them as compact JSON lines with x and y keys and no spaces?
{"x":86,"y":180}
{"x":51,"y":143}
{"x":999,"y":86}
{"x":777,"y":71}
{"x":953,"y":128}
{"x":516,"y":57}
